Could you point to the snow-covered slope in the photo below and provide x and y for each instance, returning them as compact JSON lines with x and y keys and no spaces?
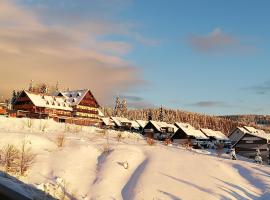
{"x":90,"y":165}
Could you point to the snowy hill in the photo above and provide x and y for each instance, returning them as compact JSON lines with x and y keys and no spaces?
{"x":90,"y":165}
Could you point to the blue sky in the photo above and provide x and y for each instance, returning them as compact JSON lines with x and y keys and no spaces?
{"x":208,"y":56}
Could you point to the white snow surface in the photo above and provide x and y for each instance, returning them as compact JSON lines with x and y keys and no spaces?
{"x":154,"y":172}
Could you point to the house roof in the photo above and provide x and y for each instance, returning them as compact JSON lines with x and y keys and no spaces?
{"x":253,"y":130}
{"x":135,"y":124}
{"x":142,"y":123}
{"x":48,"y":101}
{"x":107,"y":121}
{"x":74,"y":97}
{"x":190,"y":130}
{"x":119,"y":120}
{"x":215,"y":134}
{"x":159,"y":125}
{"x":257,"y":132}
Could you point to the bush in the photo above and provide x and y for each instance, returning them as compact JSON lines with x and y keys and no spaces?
{"x":119,"y":136}
{"x":17,"y":160}
{"x":9,"y":158}
{"x":150,"y":141}
{"x":60,"y":140}
{"x":167,"y":141}
{"x":26,"y":158}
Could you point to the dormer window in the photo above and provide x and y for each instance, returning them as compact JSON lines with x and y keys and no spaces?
{"x":53,"y":103}
{"x":43,"y":97}
{"x":78,"y":94}
{"x":47,"y":102}
{"x":70,"y":95}
{"x":59,"y":104}
{"x":73,"y":100}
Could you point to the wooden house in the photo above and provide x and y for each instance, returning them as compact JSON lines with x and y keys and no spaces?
{"x":252,"y":140}
{"x":159,"y":130}
{"x":187,"y":133}
{"x":237,"y":133}
{"x":107,"y":122}
{"x":142,"y":124}
{"x":214,"y":136}
{"x":122,"y":123}
{"x":85,"y":108}
{"x":37,"y":105}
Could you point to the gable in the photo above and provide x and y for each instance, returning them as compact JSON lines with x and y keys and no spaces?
{"x":23,"y":99}
{"x":89,"y":100}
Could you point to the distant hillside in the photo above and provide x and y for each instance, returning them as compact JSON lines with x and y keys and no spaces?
{"x":225,"y":123}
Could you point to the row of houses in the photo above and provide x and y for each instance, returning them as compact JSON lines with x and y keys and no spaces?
{"x":178,"y":132}
{"x":246,"y":140}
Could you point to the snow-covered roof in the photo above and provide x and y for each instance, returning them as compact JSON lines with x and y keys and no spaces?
{"x":253,"y":130}
{"x":215,"y":134}
{"x":48,"y":101}
{"x":190,"y":130}
{"x":107,"y":121}
{"x":160,"y":125}
{"x":135,"y":124}
{"x":142,"y":123}
{"x":74,"y":97}
{"x":257,"y":132}
{"x":119,"y":120}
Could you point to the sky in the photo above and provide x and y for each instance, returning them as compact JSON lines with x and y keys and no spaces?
{"x":208,"y":56}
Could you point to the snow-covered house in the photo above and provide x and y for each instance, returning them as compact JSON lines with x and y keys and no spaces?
{"x":217,"y":136}
{"x":142,"y":124}
{"x":237,"y":133}
{"x":39,"y":105}
{"x":251,"y":140}
{"x":159,"y":130}
{"x":107,"y":122}
{"x":85,"y":108}
{"x":122,"y":123}
{"x":187,"y":132}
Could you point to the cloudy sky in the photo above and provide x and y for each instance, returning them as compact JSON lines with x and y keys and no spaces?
{"x":210,"y":56}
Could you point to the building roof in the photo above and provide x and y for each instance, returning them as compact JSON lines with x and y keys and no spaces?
{"x":135,"y":124}
{"x":215,"y":134}
{"x":159,"y":125}
{"x":74,"y":97}
{"x":48,"y":101}
{"x":142,"y":123}
{"x":107,"y":121}
{"x":253,"y":130}
{"x":191,"y":131}
{"x":257,"y":132}
{"x":119,"y":120}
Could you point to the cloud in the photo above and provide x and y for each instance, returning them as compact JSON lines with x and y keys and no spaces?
{"x":209,"y":104}
{"x":217,"y":41}
{"x":262,"y":89}
{"x":33,"y":49}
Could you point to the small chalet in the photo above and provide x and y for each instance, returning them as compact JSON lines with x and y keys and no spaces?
{"x":216,"y":136}
{"x":84,"y":106}
{"x":135,"y":126}
{"x":250,"y":141}
{"x":107,"y":122}
{"x":122,"y":123}
{"x":237,"y":133}
{"x":187,"y":132}
{"x":142,"y":124}
{"x":159,"y":130}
